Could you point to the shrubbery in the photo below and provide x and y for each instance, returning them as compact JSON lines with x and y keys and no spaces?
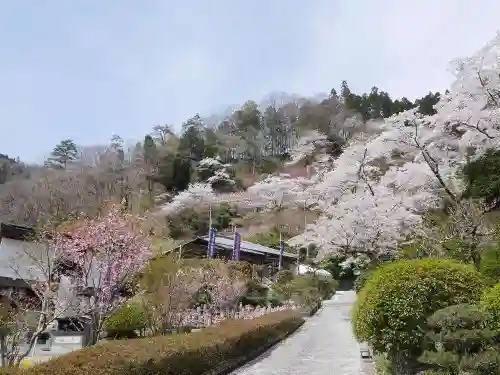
{"x":361,"y":280}
{"x":306,"y":291}
{"x":459,"y":338}
{"x":126,"y":320}
{"x":490,"y":264}
{"x":189,"y":354}
{"x":393,"y":306}
{"x":490,"y":302}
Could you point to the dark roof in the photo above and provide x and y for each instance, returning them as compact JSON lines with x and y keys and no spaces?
{"x":8,"y":282}
{"x":226,"y":242}
{"x":247,"y":247}
{"x":16,"y":232}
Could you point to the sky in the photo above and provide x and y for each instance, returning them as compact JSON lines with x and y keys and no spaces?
{"x":88,"y":69}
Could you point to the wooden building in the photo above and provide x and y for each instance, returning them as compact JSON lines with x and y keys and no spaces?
{"x":250,"y":252}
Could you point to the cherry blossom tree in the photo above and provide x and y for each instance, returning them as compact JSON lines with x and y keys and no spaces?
{"x":107,"y":252}
{"x":384,"y":181}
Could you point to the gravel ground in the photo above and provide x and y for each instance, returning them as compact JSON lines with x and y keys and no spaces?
{"x":324,"y":345}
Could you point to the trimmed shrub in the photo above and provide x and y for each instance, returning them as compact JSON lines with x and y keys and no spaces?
{"x":392,"y":308}
{"x":457,"y":335}
{"x":490,"y":302}
{"x":361,"y":280}
{"x":129,"y":318}
{"x":206,"y":351}
{"x":490,"y":264}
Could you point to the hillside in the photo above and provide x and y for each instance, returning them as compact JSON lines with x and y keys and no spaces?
{"x":375,"y":192}
{"x":350,"y":173}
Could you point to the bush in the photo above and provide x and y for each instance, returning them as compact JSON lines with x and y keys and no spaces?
{"x":361,"y":280}
{"x":457,"y":334}
{"x":395,"y":302}
{"x":490,"y":264}
{"x":284,"y":276}
{"x":326,"y":286}
{"x":125,"y":321}
{"x":490,"y":302}
{"x":195,"y":353}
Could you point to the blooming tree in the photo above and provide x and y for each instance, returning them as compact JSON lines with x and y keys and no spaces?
{"x":374,"y":197}
{"x":196,"y":195}
{"x":106,"y":252}
{"x":215,"y":173}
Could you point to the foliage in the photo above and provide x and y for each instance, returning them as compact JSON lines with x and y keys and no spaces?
{"x":490,"y":302}
{"x":361,"y":280}
{"x":270,"y":239}
{"x":168,"y":285}
{"x":63,"y":154}
{"x":378,"y":104}
{"x":393,"y":306}
{"x":482,"y":176}
{"x":382,"y":364}
{"x":490,"y":264}
{"x":195,"y":353}
{"x":258,"y":294}
{"x":128,"y":318}
{"x":456,"y":335}
{"x":11,"y":169}
{"x":305,"y":290}
{"x":284,"y":276}
{"x":196,"y":220}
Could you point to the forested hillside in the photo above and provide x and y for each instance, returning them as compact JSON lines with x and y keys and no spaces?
{"x":231,"y":153}
{"x":422,"y":181}
{"x":355,"y":173}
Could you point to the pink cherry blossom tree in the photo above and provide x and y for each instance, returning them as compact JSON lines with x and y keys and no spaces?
{"x":106,"y":252}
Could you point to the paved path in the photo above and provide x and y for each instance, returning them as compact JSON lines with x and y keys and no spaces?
{"x":324,"y":345}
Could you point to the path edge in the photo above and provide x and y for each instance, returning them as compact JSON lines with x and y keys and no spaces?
{"x":230,"y":366}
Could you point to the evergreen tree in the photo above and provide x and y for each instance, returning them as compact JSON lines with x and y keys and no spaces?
{"x":65,"y":152}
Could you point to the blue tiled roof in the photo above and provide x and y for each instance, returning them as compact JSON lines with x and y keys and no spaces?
{"x":248,"y":247}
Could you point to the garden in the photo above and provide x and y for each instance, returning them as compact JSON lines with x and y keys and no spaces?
{"x":180,"y":316}
{"x":430,"y":316}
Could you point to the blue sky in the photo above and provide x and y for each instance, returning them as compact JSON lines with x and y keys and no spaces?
{"x":85,"y":69}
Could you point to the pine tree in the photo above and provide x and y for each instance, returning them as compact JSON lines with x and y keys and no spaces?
{"x":65,"y":152}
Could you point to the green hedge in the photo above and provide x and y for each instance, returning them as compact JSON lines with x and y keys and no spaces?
{"x":126,"y":320}
{"x":392,"y":307}
{"x":490,"y":302}
{"x":361,"y":280}
{"x":206,"y":351}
